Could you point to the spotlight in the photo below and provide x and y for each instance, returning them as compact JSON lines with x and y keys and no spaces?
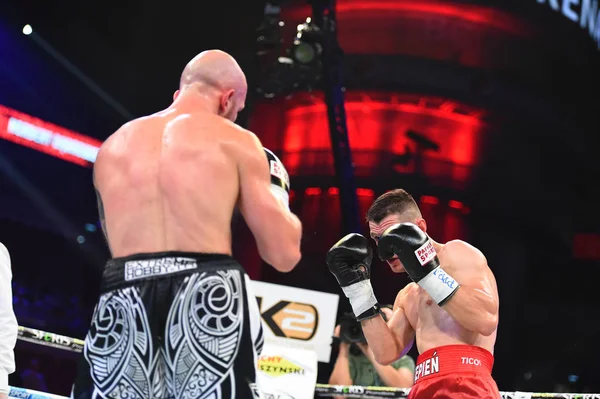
{"x":27,"y":30}
{"x":307,"y":47}
{"x":298,"y":68}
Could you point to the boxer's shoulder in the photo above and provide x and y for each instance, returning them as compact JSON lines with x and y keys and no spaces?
{"x":458,"y":252}
{"x":462,"y":248}
{"x":246,"y":141}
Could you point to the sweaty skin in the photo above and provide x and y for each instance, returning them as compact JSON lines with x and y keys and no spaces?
{"x":469,"y":317}
{"x":170,"y":181}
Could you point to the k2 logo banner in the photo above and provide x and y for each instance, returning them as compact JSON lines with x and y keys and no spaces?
{"x":297,"y":318}
{"x":291,"y":319}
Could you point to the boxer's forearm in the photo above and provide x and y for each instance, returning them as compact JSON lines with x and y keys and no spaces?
{"x":474,"y":309}
{"x":386,"y":347}
{"x":283,"y":254}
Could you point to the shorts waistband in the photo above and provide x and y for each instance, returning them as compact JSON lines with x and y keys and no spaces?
{"x":453,"y":359}
{"x":138,"y":267}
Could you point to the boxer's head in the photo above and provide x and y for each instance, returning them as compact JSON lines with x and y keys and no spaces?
{"x":215,"y":77}
{"x":396,"y":206}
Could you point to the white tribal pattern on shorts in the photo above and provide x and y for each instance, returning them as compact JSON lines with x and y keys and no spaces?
{"x":201,"y":339}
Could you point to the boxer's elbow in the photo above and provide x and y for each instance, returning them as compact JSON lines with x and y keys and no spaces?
{"x":282,"y":259}
{"x":488,"y":324}
{"x":387,"y":354}
{"x":288,"y":262}
{"x":386,"y":357}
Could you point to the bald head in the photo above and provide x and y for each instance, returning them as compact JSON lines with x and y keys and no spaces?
{"x":214,"y":68}
{"x":214,"y":72}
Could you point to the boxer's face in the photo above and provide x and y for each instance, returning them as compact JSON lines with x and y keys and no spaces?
{"x":377,"y":229}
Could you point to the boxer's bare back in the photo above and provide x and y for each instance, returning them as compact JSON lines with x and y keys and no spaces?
{"x":470,"y":317}
{"x":171,"y":181}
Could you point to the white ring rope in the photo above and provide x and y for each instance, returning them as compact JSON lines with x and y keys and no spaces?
{"x":353,"y":391}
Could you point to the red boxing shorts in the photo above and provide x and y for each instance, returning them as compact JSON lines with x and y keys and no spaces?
{"x":454,"y":371}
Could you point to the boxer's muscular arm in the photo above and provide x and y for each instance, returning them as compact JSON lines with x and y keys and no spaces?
{"x":475,"y":304}
{"x":393,"y":340}
{"x":390,"y":375}
{"x":276,"y":230}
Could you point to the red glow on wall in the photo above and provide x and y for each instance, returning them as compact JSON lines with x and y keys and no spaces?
{"x":455,"y":204}
{"x":469,"y":34}
{"x":364,"y":192}
{"x":312,"y":191}
{"x":428,"y":199}
{"x":586,"y":246}
{"x":393,"y":8}
{"x":333,"y":191}
{"x":377,"y":126}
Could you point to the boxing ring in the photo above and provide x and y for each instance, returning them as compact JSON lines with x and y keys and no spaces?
{"x":62,"y":342}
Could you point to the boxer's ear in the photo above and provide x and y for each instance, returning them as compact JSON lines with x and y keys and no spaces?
{"x":227,"y":101}
{"x":175,"y":95}
{"x":422,"y":224}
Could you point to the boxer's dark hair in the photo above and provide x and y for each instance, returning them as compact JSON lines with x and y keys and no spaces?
{"x":395,"y":201}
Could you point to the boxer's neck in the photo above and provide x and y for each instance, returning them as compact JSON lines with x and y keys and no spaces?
{"x":193,"y":101}
{"x":438,"y":247}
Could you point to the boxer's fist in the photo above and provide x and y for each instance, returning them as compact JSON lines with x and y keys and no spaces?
{"x":413,"y":248}
{"x":280,"y":180}
{"x":349,"y":260}
{"x":418,"y":256}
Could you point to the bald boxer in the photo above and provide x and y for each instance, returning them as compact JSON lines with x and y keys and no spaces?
{"x":450,"y":308}
{"x":176,"y":318}
{"x":8,"y":323}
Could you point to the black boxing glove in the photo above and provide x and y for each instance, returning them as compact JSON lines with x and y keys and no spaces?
{"x":280,"y":180}
{"x":349,"y":260}
{"x":418,"y":256}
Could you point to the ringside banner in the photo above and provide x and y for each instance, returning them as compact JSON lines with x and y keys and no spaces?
{"x":284,"y":372}
{"x":296,"y":317}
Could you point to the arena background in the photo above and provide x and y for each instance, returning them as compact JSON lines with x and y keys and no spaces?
{"x":506,"y":90}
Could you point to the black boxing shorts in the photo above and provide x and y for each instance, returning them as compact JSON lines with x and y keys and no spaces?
{"x":171,"y":325}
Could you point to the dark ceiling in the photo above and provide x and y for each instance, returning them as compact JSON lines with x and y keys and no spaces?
{"x":133,"y":50}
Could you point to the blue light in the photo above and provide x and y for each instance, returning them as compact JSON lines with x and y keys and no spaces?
{"x":90,"y":227}
{"x":573,"y":378}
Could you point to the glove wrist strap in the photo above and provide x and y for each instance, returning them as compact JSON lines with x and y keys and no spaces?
{"x":361,"y":296}
{"x":369,"y":313}
{"x":439,"y":285}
